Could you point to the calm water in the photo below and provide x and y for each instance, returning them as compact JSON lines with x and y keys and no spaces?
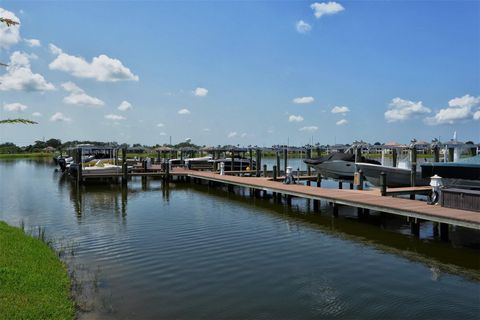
{"x":190,"y":252}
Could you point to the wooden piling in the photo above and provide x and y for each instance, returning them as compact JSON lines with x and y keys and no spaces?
{"x":383,"y":183}
{"x":319,"y":180}
{"x":265,"y":171}
{"x":340,"y":185}
{"x":436,"y":153}
{"x":413,"y":171}
{"x":415,"y":227}
{"x":444,"y":232}
{"x":285,"y":160}
{"x":258,"y":165}
{"x":124,"y":166}
{"x":394,"y":157}
{"x":79,"y":167}
{"x":335,"y":210}
{"x":450,"y":154}
{"x":360,"y":180}
{"x":277,"y":154}
{"x":309,"y":155}
{"x":358,"y":153}
{"x":274,"y":172}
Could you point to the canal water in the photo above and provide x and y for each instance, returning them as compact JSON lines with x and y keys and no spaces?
{"x":192,"y":252}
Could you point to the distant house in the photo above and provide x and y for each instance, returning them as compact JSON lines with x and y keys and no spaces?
{"x":49,"y":149}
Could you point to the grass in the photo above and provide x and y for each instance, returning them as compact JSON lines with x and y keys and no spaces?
{"x":34,"y":283}
{"x":25,"y":155}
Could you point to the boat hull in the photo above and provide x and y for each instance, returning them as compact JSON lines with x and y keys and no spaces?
{"x":336,"y":169}
{"x":396,"y":177}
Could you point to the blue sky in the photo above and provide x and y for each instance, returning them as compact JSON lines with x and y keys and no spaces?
{"x":241,"y":72}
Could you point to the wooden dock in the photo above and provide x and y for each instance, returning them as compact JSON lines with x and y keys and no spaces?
{"x":371,"y":200}
{"x":362,"y":199}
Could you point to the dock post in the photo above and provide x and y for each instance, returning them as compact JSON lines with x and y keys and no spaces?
{"x":413,"y":171}
{"x":335,"y":210}
{"x":319,"y":180}
{"x":415,"y":227}
{"x":450,"y":154}
{"x":435,"y":229}
{"x":289,"y":200}
{"x":258,"y":165}
{"x":444,"y":232}
{"x":265,"y":174}
{"x":436,"y":153}
{"x":167,"y":172}
{"x":360,"y":180}
{"x":340,"y":184}
{"x":309,"y":155}
{"x":79,"y":168}
{"x":274,"y":173}
{"x":316,"y":205}
{"x":394,"y":157}
{"x":277,"y":154}
{"x":358,"y":153}
{"x":250,"y":154}
{"x":383,"y":184}
{"x":285,"y":160}
{"x":124,"y":166}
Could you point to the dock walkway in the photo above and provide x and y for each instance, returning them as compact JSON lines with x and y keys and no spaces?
{"x":371,"y":200}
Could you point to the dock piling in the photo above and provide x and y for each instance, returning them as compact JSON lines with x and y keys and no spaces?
{"x":383,"y":184}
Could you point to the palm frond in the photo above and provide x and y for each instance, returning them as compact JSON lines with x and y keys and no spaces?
{"x":12,"y":121}
{"x":8,"y":22}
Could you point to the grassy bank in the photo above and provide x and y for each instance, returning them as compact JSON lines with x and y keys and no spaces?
{"x":25,"y":155}
{"x":33,"y":282}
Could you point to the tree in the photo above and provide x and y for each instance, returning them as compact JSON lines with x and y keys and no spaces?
{"x":55,"y":143}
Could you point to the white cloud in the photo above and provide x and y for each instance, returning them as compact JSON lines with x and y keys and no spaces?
{"x":20,"y":77}
{"x":59,"y":117}
{"x":206,"y":129}
{"x":163,"y":133}
{"x":114,"y":117}
{"x":183,"y":111}
{"x":102,"y":68}
{"x":200,"y":92}
{"x":18,"y":107}
{"x":9,"y":35}
{"x":303,"y":100}
{"x":294,"y":118}
{"x":32,"y":42}
{"x":303,"y":27}
{"x":36,"y":114}
{"x":476,"y":115}
{"x":79,"y":97}
{"x":160,"y":125}
{"x":459,"y":109}
{"x":243,"y":135}
{"x":342,"y":122}
{"x":232,"y":134}
{"x":401,"y":110}
{"x":340,"y":109}
{"x":326,"y":8}
{"x":309,"y":129}
{"x":124,"y":106}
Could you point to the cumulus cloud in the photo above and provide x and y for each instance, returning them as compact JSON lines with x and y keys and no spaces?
{"x":340,"y":109}
{"x":124,"y":106}
{"x":78,"y":97}
{"x":309,"y":128}
{"x":200,"y":92}
{"x":9,"y":35}
{"x":342,"y":122}
{"x":459,"y":109}
{"x":32,"y":42}
{"x":60,"y":117}
{"x":243,"y":135}
{"x":102,"y":68}
{"x":184,"y":111}
{"x":232,"y":134}
{"x":18,"y":107}
{"x":326,"y":8}
{"x":163,"y":133}
{"x":303,"y":100}
{"x":115,"y":117}
{"x":476,"y":115}
{"x":401,"y":110}
{"x":294,"y":118}
{"x":36,"y":114}
{"x":160,"y":125}
{"x":302,"y":27}
{"x":206,"y":129}
{"x":20,"y":77}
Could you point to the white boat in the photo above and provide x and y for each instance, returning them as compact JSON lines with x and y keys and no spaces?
{"x":336,"y":169}
{"x":396,"y":177}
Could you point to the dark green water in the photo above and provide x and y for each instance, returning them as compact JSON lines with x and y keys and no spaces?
{"x":193,"y":252}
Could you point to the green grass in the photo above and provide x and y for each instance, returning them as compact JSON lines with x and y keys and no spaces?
{"x":34,"y":283}
{"x":25,"y":155}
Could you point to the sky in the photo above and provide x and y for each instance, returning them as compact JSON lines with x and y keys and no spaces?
{"x":241,"y":72}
